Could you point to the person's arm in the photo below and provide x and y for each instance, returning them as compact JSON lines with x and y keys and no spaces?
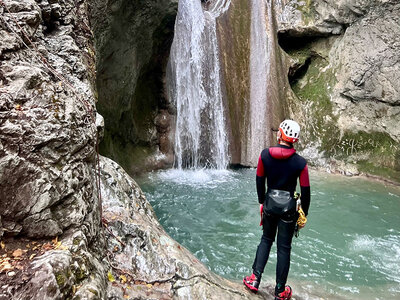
{"x":260,"y":181}
{"x":305,"y":190}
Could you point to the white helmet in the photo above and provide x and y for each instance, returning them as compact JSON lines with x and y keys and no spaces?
{"x":290,"y":131}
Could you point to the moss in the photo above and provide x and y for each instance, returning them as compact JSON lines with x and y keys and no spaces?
{"x":93,"y":291}
{"x":370,"y":168}
{"x":313,"y":90}
{"x":60,"y":278}
{"x":300,"y":55}
{"x":307,"y":10}
{"x":375,"y":153}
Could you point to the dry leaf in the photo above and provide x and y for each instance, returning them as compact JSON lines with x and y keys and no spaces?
{"x":32,"y":256}
{"x":2,"y":245}
{"x":126,"y":296}
{"x":123,"y":278}
{"x":110,"y":277}
{"x":57,"y":245}
{"x":6,"y":267}
{"x":47,"y":246}
{"x":149,"y":286}
{"x":17,"y":253}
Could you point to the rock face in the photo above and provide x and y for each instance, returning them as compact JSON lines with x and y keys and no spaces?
{"x":344,"y":69}
{"x":47,"y":149}
{"x":47,"y":135}
{"x":52,"y":243}
{"x":132,"y":41}
{"x":147,"y":263}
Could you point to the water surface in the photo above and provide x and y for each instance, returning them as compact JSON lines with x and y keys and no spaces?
{"x":350,"y":248}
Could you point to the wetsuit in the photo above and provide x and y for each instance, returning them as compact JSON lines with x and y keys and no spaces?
{"x":280,"y":166}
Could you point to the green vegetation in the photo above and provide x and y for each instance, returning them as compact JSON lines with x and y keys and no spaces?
{"x":313,"y":90}
{"x":307,"y":10}
{"x":373,"y":152}
{"x":60,"y":278}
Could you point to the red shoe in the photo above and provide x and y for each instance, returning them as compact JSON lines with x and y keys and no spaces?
{"x":252,"y":283}
{"x":285,"y":295}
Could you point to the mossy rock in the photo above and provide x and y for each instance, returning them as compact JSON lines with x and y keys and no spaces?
{"x":374,"y":153}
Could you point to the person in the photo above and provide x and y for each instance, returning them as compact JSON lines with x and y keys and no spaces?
{"x":280,"y":166}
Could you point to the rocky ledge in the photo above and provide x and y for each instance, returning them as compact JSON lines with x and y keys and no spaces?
{"x":53,"y":242}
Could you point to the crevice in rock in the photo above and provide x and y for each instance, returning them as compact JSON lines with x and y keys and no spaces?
{"x":354,"y":99}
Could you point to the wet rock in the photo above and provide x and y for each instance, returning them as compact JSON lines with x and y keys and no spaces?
{"x":47,"y":149}
{"x":132,"y":42}
{"x":344,"y":69}
{"x":46,"y":134}
{"x":154,"y":265}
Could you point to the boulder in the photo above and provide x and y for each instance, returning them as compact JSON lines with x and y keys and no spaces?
{"x":146,"y":263}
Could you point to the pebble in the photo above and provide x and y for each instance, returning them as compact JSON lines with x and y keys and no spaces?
{"x":11,"y":274}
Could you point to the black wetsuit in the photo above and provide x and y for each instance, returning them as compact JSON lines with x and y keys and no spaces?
{"x":281,"y":167}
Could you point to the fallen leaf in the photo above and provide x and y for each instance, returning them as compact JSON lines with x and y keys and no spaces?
{"x":2,"y":245}
{"x":55,"y":241}
{"x":17,"y":253}
{"x":57,"y":245}
{"x":110,"y":277}
{"x":32,"y":256}
{"x":47,"y":246}
{"x":123,"y":278}
{"x":6,"y":267}
{"x":149,"y":285}
{"x":126,"y":296}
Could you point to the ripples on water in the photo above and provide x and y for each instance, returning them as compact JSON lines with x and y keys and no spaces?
{"x":350,"y":248}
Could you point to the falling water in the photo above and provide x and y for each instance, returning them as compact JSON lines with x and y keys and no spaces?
{"x":194,"y":87}
{"x":258,"y":135}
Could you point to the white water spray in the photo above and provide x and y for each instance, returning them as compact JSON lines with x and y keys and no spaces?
{"x":194,"y":86}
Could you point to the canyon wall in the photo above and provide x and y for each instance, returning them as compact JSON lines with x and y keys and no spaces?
{"x":344,"y":72}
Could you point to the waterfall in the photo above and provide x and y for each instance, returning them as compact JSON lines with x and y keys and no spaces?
{"x":259,"y":129}
{"x":194,"y":87}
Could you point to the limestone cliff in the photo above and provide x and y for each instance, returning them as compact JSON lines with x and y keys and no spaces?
{"x":344,"y":72}
{"x":47,"y":152}
{"x":53,"y":245}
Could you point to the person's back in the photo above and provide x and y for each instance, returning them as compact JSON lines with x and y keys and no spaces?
{"x":280,"y":166}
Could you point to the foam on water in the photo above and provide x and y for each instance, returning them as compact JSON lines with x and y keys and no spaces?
{"x":194,"y":177}
{"x":350,"y":248}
